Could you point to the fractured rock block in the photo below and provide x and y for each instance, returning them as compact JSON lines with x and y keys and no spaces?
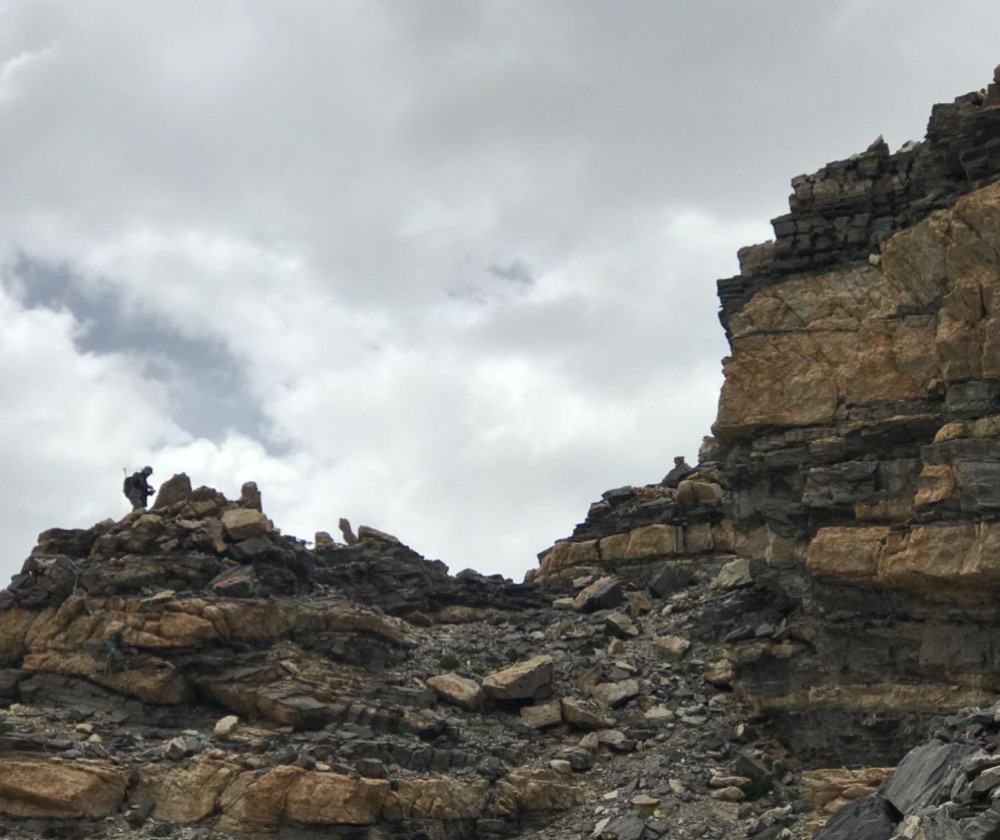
{"x":584,"y":715}
{"x":42,"y":786}
{"x":540,"y":716}
{"x":733,"y":575}
{"x":531,"y":679}
{"x":458,"y":690}
{"x":173,"y":490}
{"x":670,"y":578}
{"x":243,"y":523}
{"x":868,"y":818}
{"x":615,"y":694}
{"x":603,"y":594}
{"x":620,"y":625}
{"x":926,"y":774}
{"x":672,"y":648}
{"x":694,"y":492}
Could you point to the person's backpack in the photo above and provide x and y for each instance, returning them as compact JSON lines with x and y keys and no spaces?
{"x":127,"y":485}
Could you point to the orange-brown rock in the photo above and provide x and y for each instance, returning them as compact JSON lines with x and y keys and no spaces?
{"x":437,"y":799}
{"x":535,"y":790}
{"x":525,"y":680}
{"x":458,"y":690}
{"x":185,"y":793}
{"x":261,"y":803}
{"x":828,"y":789}
{"x":42,"y":786}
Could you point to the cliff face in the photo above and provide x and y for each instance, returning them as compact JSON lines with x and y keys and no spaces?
{"x":856,"y":458}
{"x":859,"y":426}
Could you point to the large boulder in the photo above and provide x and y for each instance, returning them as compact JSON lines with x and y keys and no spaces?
{"x":528,"y":680}
{"x":173,"y":490}
{"x":868,"y":818}
{"x":43,"y":786}
{"x":603,"y":594}
{"x":244,"y":523}
{"x":458,"y":690}
{"x":926,"y":774}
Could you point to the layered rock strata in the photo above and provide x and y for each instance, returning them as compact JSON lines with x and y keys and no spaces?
{"x":859,"y":425}
{"x":631,"y":529}
{"x":190,"y":672}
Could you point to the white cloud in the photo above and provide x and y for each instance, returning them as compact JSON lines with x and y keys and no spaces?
{"x":321,"y":189}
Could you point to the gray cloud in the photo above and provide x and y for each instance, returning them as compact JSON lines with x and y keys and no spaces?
{"x":515,"y":271}
{"x":206,"y":387}
{"x":266,"y":226}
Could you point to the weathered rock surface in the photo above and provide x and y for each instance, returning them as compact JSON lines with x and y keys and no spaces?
{"x":859,"y":444}
{"x":175,"y":674}
{"x":738,"y":651}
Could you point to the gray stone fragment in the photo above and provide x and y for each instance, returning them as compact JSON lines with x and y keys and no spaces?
{"x":867,"y":818}
{"x":578,"y":758}
{"x":603,"y":594}
{"x":940,"y":827}
{"x":628,"y":827}
{"x":761,"y":778}
{"x":925,"y":775}
{"x":251,"y":547}
{"x":839,"y":485}
{"x":492,"y":768}
{"x":984,"y":826}
{"x":670,"y":578}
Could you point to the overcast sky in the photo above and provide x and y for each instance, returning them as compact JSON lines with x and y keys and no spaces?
{"x":443,"y":267}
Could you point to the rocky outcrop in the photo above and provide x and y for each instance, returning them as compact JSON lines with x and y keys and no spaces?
{"x":946,"y":787}
{"x":189,"y":671}
{"x":855,"y":458}
{"x":740,"y":650}
{"x":632,"y":529}
{"x":858,"y":432}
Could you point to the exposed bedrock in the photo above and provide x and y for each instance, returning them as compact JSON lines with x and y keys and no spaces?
{"x":859,"y":429}
{"x":856,"y":459}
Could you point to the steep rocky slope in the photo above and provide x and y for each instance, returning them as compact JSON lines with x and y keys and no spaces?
{"x":190,"y":672}
{"x":856,"y":450}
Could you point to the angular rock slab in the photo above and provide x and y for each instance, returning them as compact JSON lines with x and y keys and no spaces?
{"x":621,"y":626}
{"x":868,"y":818}
{"x":603,"y":594}
{"x":584,"y":715}
{"x":458,"y":690}
{"x":925,"y":775}
{"x":40,"y":786}
{"x":531,"y":679}
{"x":615,"y":694}
{"x":542,"y":715}
{"x":243,"y":523}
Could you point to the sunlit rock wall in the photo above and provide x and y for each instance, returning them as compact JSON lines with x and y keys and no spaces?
{"x":859,"y":425}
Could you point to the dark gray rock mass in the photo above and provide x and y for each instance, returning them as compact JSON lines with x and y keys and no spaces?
{"x":869,"y":818}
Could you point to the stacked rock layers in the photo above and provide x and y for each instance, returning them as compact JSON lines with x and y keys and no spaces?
{"x":859,"y":426}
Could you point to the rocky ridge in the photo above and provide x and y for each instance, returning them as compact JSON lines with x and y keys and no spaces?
{"x":740,"y":652}
{"x":191,"y":672}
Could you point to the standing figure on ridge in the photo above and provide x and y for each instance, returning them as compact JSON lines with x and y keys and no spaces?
{"x":137,"y":489}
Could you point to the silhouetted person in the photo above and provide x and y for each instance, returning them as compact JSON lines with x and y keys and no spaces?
{"x":681,"y":469}
{"x":137,"y":489}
